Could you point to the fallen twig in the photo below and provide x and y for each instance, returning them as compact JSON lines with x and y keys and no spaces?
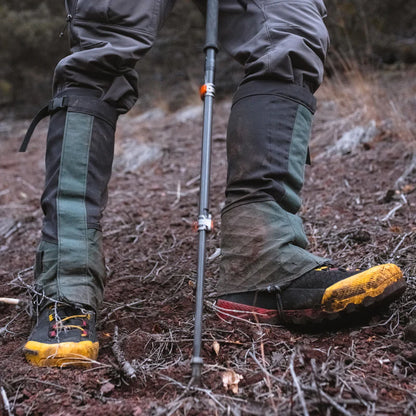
{"x":126,"y":367}
{"x":12,"y":301}
{"x":335,"y":404}
{"x":5,"y":401}
{"x":398,"y":245}
{"x":392,"y":211}
{"x":297,"y":384}
{"x":216,"y":254}
{"x":127,"y":305}
{"x":191,"y":389}
{"x":410,"y":168}
{"x":12,"y":230}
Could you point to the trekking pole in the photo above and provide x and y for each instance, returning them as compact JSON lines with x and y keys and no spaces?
{"x":204,"y":223}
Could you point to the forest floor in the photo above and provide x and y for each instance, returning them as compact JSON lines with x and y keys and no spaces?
{"x":359,"y":209}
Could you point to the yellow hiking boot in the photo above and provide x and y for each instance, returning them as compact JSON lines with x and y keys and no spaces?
{"x":63,"y":336}
{"x":318,"y":295}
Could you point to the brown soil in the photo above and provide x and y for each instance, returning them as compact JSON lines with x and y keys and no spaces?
{"x":363,"y":367}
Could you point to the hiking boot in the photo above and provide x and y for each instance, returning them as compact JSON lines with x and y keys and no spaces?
{"x":64,"y":335}
{"x":322,"y":294}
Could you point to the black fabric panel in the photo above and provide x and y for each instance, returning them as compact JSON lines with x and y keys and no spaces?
{"x":100,"y":158}
{"x":258,"y":143}
{"x":52,"y":163}
{"x":293,"y":92}
{"x":99,"y":171}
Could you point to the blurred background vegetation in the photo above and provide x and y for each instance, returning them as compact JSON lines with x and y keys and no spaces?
{"x":372,"y":34}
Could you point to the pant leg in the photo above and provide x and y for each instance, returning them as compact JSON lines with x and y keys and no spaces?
{"x":91,"y":87}
{"x":79,"y":155}
{"x":107,"y":38}
{"x":284,"y":40}
{"x":282,"y":47}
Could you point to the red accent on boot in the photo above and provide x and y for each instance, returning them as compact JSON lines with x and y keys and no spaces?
{"x":227,"y":310}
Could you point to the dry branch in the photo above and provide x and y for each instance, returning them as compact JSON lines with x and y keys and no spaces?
{"x":410,"y":168}
{"x":12,"y":301}
{"x":6,"y":401}
{"x":126,"y":367}
{"x":297,"y":384}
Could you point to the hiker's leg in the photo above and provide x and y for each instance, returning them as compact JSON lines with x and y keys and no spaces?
{"x":100,"y":82}
{"x":79,"y":155}
{"x":92,"y":86}
{"x":265,"y":265}
{"x":282,"y":47}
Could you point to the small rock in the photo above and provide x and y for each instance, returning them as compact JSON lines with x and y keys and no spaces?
{"x":107,"y":388}
{"x":188,"y":113}
{"x":354,"y":138}
{"x":134,"y":155}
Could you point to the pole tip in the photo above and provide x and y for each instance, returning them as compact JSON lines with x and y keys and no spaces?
{"x":196,"y":371}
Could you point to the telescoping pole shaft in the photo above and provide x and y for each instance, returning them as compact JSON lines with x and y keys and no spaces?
{"x":204,"y":217}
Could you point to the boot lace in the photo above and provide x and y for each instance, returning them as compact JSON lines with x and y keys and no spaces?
{"x":65,"y":323}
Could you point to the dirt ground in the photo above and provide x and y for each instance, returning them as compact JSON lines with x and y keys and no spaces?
{"x":355,"y":211}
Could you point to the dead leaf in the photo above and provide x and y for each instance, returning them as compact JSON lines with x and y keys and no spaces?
{"x":230,"y":380}
{"x":407,"y":189}
{"x":216,"y":347}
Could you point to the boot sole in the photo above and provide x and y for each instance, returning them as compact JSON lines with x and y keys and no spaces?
{"x":227,"y":310}
{"x":65,"y":354}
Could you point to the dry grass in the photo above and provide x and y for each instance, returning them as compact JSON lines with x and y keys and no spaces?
{"x":384,"y":100}
{"x":388,"y":97}
{"x":363,"y":94}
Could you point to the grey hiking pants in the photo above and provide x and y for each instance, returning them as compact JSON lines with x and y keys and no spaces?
{"x":281,"y":45}
{"x":285,"y":40}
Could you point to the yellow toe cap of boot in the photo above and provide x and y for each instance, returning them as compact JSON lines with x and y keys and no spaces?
{"x":65,"y":354}
{"x":378,"y":282}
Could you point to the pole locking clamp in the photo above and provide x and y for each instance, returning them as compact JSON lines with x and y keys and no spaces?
{"x":207,"y":89}
{"x":204,"y":223}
